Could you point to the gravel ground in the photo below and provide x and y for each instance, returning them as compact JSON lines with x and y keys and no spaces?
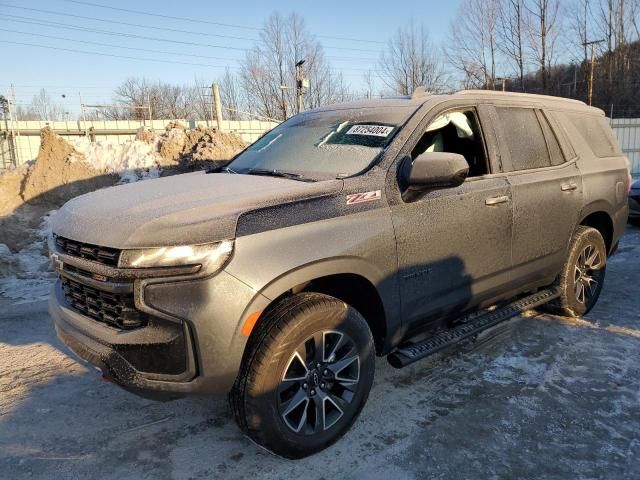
{"x":537,"y":397}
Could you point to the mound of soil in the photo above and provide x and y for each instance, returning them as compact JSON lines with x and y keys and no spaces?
{"x":59,"y":174}
{"x":10,"y":188}
{"x":201,"y":144}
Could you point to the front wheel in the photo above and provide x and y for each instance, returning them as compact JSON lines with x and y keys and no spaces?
{"x":306,"y":376}
{"x":583,"y":273}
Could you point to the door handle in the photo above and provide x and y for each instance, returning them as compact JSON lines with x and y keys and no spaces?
{"x":567,"y":187}
{"x":496,"y":200}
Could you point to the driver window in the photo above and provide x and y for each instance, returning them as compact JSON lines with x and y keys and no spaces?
{"x":455,"y":132}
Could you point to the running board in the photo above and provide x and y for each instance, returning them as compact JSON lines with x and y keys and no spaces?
{"x":469,"y":325}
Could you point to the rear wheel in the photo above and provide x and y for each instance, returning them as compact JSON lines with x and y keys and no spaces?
{"x":306,"y":376}
{"x":583,"y":273}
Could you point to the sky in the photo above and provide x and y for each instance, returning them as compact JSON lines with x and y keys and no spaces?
{"x":34,"y":60}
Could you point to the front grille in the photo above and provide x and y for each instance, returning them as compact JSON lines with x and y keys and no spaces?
{"x":117,"y":310}
{"x":104,"y":255}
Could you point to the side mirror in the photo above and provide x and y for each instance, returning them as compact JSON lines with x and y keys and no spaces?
{"x":431,"y":171}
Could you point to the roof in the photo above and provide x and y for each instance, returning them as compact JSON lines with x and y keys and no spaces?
{"x":421,"y":96}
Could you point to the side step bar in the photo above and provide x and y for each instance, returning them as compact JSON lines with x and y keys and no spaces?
{"x":470,"y":325}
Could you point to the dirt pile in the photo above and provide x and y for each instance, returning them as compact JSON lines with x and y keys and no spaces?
{"x":59,"y":173}
{"x":28,"y":193}
{"x":10,"y":189}
{"x":197,"y":148}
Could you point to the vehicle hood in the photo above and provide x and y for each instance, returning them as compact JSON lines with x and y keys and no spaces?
{"x":184,"y":209}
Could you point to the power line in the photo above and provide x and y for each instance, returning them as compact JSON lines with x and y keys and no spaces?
{"x":66,"y":26}
{"x":116,"y":56}
{"x":137,"y":25}
{"x":47,"y":23}
{"x":118,"y":22}
{"x":164,"y":52}
{"x":116,"y":46}
{"x":198,"y":20}
{"x":168,"y":17}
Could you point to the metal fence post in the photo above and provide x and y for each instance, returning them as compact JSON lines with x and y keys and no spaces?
{"x":217,"y":104}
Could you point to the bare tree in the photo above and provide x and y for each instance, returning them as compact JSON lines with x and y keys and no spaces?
{"x":268,"y":73}
{"x":512,"y":35}
{"x":138,"y":98}
{"x":472,"y":42}
{"x":231,"y":96}
{"x":411,"y":60}
{"x":542,"y":32}
{"x":369,"y":81}
{"x":41,"y":107}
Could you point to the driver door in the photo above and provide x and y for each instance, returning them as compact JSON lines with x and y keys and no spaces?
{"x":454,"y":245}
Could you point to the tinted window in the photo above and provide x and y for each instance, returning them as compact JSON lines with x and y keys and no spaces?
{"x":557,"y":158}
{"x":523,"y":137}
{"x":596,"y":133}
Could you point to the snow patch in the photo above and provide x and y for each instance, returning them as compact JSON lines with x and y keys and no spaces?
{"x":26,"y":276}
{"x":509,"y":367}
{"x":133,"y":161}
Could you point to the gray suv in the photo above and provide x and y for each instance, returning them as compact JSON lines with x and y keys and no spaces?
{"x":393,"y":227}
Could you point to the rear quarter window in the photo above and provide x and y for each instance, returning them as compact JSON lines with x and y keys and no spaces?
{"x":595,"y":132}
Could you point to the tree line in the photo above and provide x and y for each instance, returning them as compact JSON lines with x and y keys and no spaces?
{"x":535,"y":46}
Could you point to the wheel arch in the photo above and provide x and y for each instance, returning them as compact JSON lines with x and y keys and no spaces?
{"x":602,"y":221}
{"x":352,"y":280}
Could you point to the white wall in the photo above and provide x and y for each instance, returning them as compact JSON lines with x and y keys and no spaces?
{"x":627,"y":131}
{"x":28,"y":145}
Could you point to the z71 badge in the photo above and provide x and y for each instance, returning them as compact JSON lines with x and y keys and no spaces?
{"x":363,"y":197}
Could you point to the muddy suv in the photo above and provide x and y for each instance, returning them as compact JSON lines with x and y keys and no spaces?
{"x":395,"y":227}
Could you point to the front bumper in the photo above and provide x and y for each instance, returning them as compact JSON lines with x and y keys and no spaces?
{"x":203,"y":316}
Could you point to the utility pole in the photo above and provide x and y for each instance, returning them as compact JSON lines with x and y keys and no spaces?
{"x":217,"y":103}
{"x":150,"y":111}
{"x":301,"y":84}
{"x":593,"y":44}
{"x":5,"y":110}
{"x":84,"y":115}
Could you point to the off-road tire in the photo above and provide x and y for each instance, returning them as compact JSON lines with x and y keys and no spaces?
{"x":255,"y":398}
{"x":569,"y":304}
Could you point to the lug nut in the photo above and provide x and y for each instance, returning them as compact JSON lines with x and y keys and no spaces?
{"x":325,"y":372}
{"x":304,"y":385}
{"x":322,"y":385}
{"x":313,"y":392}
{"x":317,"y":365}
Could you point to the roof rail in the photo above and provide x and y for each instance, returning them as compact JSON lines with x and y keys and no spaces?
{"x":496,"y":93}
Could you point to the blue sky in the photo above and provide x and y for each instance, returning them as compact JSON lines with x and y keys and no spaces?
{"x":70,"y":73}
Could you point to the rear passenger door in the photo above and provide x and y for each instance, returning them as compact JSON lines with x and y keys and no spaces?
{"x":546,"y":188}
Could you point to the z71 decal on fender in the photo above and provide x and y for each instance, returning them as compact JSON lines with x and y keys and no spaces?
{"x":363,"y":197}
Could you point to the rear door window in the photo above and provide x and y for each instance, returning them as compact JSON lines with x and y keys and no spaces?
{"x":523,"y":137}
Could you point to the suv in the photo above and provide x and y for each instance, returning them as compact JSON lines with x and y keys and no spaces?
{"x":392,"y":227}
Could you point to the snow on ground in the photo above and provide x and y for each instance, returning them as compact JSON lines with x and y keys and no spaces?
{"x":26,"y":275}
{"x":132,"y":160}
{"x":541,"y":397}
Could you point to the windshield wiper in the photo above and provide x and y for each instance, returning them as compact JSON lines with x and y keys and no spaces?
{"x":220,"y":169}
{"x":279,"y":173}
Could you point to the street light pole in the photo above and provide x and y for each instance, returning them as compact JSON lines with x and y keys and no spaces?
{"x":301,"y":84}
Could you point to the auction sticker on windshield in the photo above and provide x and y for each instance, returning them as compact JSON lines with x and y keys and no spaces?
{"x":370,"y":130}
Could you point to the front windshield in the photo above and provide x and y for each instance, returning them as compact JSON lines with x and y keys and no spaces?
{"x":324,"y":144}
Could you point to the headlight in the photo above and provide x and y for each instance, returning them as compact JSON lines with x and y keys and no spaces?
{"x":211,"y":256}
